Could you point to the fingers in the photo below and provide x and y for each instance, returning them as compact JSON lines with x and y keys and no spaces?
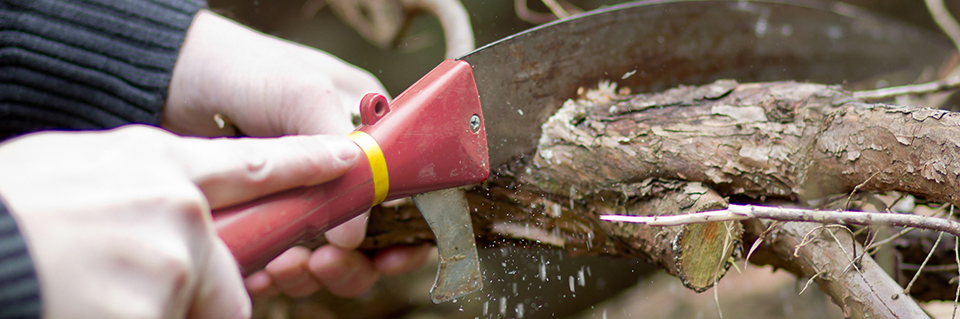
{"x":290,"y":275}
{"x":345,"y":86}
{"x":230,"y":171}
{"x":260,"y":285}
{"x":298,"y":273}
{"x":266,"y":86}
{"x":349,"y":235}
{"x":220,"y":292}
{"x":402,"y":259}
{"x":346,"y":273}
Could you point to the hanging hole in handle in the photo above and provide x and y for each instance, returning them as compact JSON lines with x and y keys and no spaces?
{"x":379,"y":107}
{"x":373,"y":107}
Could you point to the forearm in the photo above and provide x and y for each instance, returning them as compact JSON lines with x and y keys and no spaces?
{"x":91,"y":64}
{"x":19,"y":288}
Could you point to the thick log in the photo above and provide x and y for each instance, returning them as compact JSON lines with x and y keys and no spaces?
{"x":781,"y":139}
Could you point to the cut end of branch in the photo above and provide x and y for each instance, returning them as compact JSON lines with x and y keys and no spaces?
{"x":706,"y":251}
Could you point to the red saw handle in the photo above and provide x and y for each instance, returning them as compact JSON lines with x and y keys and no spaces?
{"x":431,"y":137}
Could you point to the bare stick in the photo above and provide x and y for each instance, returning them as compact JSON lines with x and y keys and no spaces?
{"x":877,"y":245}
{"x":810,"y":237}
{"x":873,"y":247}
{"x":809,"y":281}
{"x":949,"y":26}
{"x":869,"y":293}
{"x":756,"y":244}
{"x":457,"y":31}
{"x":924,"y":263}
{"x":852,"y":261}
{"x":956,"y":253}
{"x":928,"y":268}
{"x":716,"y":297}
{"x":524,"y":13}
{"x":846,"y":205}
{"x":556,"y":8}
{"x":742,"y":212}
{"x":947,"y":84}
{"x":943,"y":19}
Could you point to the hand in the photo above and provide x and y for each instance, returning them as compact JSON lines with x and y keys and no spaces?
{"x":118,"y":222}
{"x":270,"y":87}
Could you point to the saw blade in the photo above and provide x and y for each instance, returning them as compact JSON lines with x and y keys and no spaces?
{"x":654,"y":45}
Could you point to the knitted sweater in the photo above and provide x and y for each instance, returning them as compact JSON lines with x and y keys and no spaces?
{"x":78,"y":65}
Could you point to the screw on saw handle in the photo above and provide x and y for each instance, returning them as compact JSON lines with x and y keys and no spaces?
{"x":430,"y":137}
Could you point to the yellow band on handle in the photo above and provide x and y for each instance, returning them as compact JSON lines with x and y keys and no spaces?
{"x":378,"y":165}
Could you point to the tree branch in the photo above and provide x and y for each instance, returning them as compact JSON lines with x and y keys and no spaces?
{"x":864,"y":291}
{"x":950,"y":83}
{"x":949,"y":25}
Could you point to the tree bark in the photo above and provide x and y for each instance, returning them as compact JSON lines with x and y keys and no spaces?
{"x":781,"y":139}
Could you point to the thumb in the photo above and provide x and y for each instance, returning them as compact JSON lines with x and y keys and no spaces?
{"x":221,"y":293}
{"x":231,"y":171}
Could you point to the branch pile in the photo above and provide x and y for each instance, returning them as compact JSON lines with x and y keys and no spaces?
{"x":688,"y":149}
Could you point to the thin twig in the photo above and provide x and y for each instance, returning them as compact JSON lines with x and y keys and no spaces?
{"x":808,"y":238}
{"x":956,"y":254}
{"x":888,"y":239}
{"x":810,"y":281}
{"x":716,"y":282}
{"x":525,"y":14}
{"x":845,"y":253}
{"x":944,"y":20}
{"x":716,"y":296}
{"x":759,"y":241}
{"x":928,"y":268}
{"x":947,"y":84}
{"x":742,"y":212}
{"x":556,"y":8}
{"x":846,"y":205}
{"x":905,"y":231}
{"x":871,"y":238}
{"x":457,"y":31}
{"x":924,"y":263}
{"x":949,"y":26}
{"x":889,"y":208}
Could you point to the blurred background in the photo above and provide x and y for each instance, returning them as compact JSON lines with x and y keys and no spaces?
{"x":421,"y":48}
{"x":524,"y":282}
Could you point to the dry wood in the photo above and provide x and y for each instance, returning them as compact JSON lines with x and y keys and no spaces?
{"x":783,"y":139}
{"x":855,"y":283}
{"x":611,"y":153}
{"x":697,"y":254}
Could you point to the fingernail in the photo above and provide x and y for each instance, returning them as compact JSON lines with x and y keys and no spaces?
{"x":345,"y":149}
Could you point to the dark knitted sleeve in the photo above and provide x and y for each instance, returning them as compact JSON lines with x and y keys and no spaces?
{"x":19,"y":289}
{"x":87,"y":64}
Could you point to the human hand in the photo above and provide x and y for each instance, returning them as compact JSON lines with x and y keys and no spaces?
{"x":270,"y":87}
{"x":118,"y":223}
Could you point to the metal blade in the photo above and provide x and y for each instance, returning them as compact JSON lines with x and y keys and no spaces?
{"x":654,"y":45}
{"x":447,"y":214}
